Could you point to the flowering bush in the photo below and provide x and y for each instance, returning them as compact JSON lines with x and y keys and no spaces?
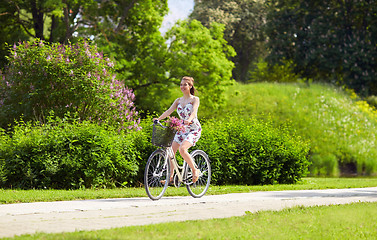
{"x":176,"y":124}
{"x":64,"y":78}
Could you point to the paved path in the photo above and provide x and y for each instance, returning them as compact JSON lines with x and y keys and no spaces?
{"x":17,"y":219}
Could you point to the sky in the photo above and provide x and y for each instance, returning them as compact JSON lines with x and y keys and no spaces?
{"x":178,"y":9}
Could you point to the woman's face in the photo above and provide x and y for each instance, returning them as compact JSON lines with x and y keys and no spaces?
{"x":185,"y":87}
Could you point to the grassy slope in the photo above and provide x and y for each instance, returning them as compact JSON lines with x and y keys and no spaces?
{"x":342,"y":130}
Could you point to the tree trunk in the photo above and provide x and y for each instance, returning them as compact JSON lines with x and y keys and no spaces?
{"x":37,"y":19}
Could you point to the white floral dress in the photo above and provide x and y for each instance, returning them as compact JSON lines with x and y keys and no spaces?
{"x":193,"y":131}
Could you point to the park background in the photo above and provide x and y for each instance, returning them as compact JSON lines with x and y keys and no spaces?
{"x":287,"y":89}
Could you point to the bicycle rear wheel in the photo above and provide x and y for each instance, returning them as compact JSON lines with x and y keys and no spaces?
{"x":156,"y":175}
{"x":200,"y":187}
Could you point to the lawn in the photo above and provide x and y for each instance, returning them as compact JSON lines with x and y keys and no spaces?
{"x":17,"y":196}
{"x":352,"y":221}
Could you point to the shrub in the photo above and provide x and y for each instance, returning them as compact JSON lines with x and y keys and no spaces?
{"x":279,"y":73}
{"x":143,"y":147}
{"x":64,"y":78}
{"x":250,"y":151}
{"x":66,"y":155}
{"x":3,"y":141}
{"x":372,"y":101}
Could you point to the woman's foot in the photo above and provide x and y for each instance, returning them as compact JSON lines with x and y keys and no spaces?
{"x":196,"y":175}
{"x":171,"y":181}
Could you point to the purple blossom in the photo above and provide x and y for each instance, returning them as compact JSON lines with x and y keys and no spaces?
{"x":119,"y":110}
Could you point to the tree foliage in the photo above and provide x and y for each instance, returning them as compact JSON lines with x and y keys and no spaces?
{"x":51,"y":20}
{"x":244,"y":21}
{"x":203,"y":53}
{"x":129,"y":33}
{"x":329,"y":40}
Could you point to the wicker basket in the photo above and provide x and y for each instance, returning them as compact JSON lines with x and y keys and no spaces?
{"x":162,"y":136}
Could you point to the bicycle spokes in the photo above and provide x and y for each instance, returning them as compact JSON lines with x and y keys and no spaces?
{"x":156,"y":175}
{"x":200,"y":187}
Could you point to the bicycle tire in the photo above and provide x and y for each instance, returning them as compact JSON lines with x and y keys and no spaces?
{"x":156,"y":175}
{"x":202,"y":162}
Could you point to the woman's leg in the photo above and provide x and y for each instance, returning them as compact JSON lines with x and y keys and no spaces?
{"x":174,"y":147}
{"x":183,"y":150}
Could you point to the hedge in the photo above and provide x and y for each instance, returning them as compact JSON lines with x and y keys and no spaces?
{"x":66,"y":156}
{"x":71,"y":155}
{"x":251,"y":151}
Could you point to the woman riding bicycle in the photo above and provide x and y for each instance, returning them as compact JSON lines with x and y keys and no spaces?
{"x":187,"y":109}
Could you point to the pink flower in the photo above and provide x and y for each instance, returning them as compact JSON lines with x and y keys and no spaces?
{"x":176,"y":124}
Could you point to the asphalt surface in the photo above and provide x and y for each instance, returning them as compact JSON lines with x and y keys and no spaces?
{"x":69,"y":216}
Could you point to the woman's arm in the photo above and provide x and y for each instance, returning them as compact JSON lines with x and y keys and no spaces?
{"x":170,"y":110}
{"x":194,"y":113}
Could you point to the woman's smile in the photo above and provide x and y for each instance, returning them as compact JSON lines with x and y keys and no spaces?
{"x":185,"y":87}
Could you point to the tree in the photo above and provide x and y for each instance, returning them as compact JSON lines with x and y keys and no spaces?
{"x":327,"y":40}
{"x":202,"y":53}
{"x":244,"y":21}
{"x":128,"y":31}
{"x":10,"y":32}
{"x":51,"y":20}
{"x":102,"y":21}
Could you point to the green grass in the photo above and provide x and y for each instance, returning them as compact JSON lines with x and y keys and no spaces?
{"x":341,"y":129}
{"x":18,"y":196}
{"x":352,"y":221}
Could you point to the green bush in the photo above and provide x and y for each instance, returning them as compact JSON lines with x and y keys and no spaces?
{"x":64,"y":155}
{"x":278,"y":73}
{"x":251,"y":151}
{"x":3,"y":141}
{"x":143,"y":147}
{"x":372,"y":101}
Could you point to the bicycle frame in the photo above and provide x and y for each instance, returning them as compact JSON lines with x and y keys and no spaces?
{"x":170,"y":156}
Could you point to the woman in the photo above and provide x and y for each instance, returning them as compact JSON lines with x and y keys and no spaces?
{"x":187,"y":109}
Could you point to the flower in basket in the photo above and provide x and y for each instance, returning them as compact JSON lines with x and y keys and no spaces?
{"x":176,"y":124}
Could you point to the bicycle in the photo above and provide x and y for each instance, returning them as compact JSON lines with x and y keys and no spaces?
{"x":157,"y":170}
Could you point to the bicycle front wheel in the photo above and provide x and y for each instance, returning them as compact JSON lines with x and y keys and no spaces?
{"x":156,"y":175}
{"x":200,"y":187}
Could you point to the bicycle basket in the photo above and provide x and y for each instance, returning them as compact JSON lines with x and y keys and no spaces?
{"x":162,"y":137}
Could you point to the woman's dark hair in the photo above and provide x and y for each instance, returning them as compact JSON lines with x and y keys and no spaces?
{"x":190,"y":81}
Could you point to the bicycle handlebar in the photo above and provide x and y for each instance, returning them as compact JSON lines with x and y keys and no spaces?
{"x":158,"y":122}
